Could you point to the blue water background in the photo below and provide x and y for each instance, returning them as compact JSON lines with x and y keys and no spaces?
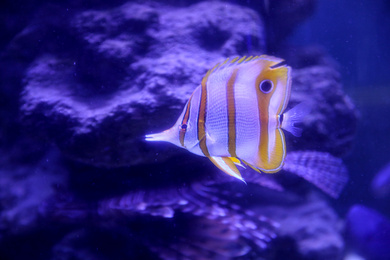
{"x":357,"y":36}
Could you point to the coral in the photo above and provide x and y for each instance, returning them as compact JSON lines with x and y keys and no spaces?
{"x":209,"y":225}
{"x":312,"y":230}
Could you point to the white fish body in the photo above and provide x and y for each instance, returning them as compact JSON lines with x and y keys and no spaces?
{"x":236,"y":114}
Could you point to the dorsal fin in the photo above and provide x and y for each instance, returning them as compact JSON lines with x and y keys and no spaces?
{"x":240,"y":60}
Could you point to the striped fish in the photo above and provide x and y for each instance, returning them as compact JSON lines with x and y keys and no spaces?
{"x":236,"y":116}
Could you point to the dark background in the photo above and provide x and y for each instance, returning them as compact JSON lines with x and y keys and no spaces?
{"x":357,"y":36}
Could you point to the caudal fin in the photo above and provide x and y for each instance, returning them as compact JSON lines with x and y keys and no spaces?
{"x":319,"y":168}
{"x":295,"y":115}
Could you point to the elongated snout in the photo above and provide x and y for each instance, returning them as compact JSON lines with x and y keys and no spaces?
{"x":169,"y":135}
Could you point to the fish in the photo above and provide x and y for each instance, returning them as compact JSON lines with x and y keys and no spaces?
{"x":236,"y":116}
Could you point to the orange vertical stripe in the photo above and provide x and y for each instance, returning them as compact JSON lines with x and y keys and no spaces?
{"x":263,"y":101}
{"x":231,"y":105}
{"x":202,"y":116}
{"x":264,"y":161}
{"x":182,"y":132}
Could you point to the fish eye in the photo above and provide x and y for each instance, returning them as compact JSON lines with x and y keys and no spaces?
{"x":183,"y":127}
{"x":266,"y":86}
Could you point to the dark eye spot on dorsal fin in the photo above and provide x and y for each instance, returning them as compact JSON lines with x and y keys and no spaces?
{"x":183,"y":127}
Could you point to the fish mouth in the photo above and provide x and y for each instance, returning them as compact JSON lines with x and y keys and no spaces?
{"x":156,"y":137}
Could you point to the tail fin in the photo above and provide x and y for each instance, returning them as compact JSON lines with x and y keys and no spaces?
{"x":319,"y":168}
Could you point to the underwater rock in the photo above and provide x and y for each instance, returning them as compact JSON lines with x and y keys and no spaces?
{"x":208,"y":218}
{"x":122,"y":72}
{"x":311,"y":229}
{"x":207,"y":231}
{"x":369,"y":232}
{"x":24,"y":185}
{"x":332,"y":122}
{"x":135,"y":66}
{"x":102,"y":244}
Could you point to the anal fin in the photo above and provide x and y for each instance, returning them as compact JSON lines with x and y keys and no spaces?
{"x":253,"y":167}
{"x":236,"y":161}
{"x":227,"y":165}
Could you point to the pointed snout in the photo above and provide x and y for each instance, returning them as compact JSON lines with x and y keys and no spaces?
{"x":169,"y":135}
{"x":156,"y":137}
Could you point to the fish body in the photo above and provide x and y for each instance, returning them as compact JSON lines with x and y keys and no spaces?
{"x":236,"y":116}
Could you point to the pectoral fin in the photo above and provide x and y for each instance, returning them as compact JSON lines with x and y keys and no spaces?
{"x":227,"y":165}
